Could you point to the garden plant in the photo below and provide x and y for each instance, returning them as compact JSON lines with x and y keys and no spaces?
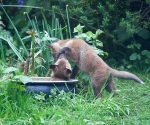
{"x":117,"y":30}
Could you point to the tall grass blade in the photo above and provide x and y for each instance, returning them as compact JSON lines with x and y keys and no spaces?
{"x":45,"y":24}
{"x":56,"y":27}
{"x":68,"y":21}
{"x":13,"y":48}
{"x":65,"y":24}
{"x":26,"y":52}
{"x":30,"y":20}
{"x":53,"y":19}
{"x":36,"y":23}
{"x":2,"y":52}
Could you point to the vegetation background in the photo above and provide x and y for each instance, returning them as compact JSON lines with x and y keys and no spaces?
{"x":118,"y":30}
{"x":125,"y":25}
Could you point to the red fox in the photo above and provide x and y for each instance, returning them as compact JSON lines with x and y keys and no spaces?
{"x":61,"y":70}
{"x":89,"y":62}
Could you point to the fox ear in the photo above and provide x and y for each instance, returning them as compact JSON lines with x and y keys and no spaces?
{"x":50,"y":46}
{"x":53,"y":66}
{"x":69,"y":71}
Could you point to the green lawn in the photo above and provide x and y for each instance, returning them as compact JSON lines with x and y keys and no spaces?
{"x":131,"y":107}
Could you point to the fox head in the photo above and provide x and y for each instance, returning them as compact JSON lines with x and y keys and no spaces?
{"x":55,"y":48}
{"x":61,"y":68}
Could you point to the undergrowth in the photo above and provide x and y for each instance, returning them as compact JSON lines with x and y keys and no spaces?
{"x":130,"y":107}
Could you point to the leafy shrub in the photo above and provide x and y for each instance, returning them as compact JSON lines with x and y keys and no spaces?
{"x":124,"y":24}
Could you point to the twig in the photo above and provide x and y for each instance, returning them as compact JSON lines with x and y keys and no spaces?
{"x":24,"y":6}
{"x":26,"y":70}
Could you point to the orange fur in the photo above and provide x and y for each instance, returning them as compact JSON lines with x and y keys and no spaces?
{"x":89,"y":62}
{"x":61,"y":70}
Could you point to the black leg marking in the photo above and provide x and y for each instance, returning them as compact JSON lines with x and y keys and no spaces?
{"x":63,"y":51}
{"x":74,"y":72}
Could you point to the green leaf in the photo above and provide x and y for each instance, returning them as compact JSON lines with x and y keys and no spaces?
{"x":144,"y":52}
{"x":88,"y":39}
{"x":129,"y":66}
{"x":131,"y":46}
{"x":90,"y":34}
{"x":25,"y":79}
{"x":137,"y":45}
{"x":133,"y":56}
{"x":83,"y":36}
{"x":10,"y":69}
{"x":78,"y":29}
{"x":99,"y":43}
{"x":99,"y":32}
{"x":106,"y":53}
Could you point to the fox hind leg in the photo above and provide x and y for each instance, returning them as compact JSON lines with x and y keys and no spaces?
{"x":111,"y":87}
{"x":98,"y":83}
{"x":97,"y":91}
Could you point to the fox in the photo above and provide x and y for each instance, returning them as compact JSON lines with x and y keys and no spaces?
{"x":61,"y":69}
{"x":86,"y":60}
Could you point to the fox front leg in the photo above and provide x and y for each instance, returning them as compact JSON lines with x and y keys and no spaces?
{"x":70,"y":54}
{"x":75,"y":71}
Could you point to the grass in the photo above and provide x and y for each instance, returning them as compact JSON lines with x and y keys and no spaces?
{"x":130,"y":108}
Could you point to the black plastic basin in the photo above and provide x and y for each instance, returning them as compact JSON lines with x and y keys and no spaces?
{"x":44,"y":85}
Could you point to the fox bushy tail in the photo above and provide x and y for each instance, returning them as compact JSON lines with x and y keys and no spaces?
{"x":125,"y":75}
